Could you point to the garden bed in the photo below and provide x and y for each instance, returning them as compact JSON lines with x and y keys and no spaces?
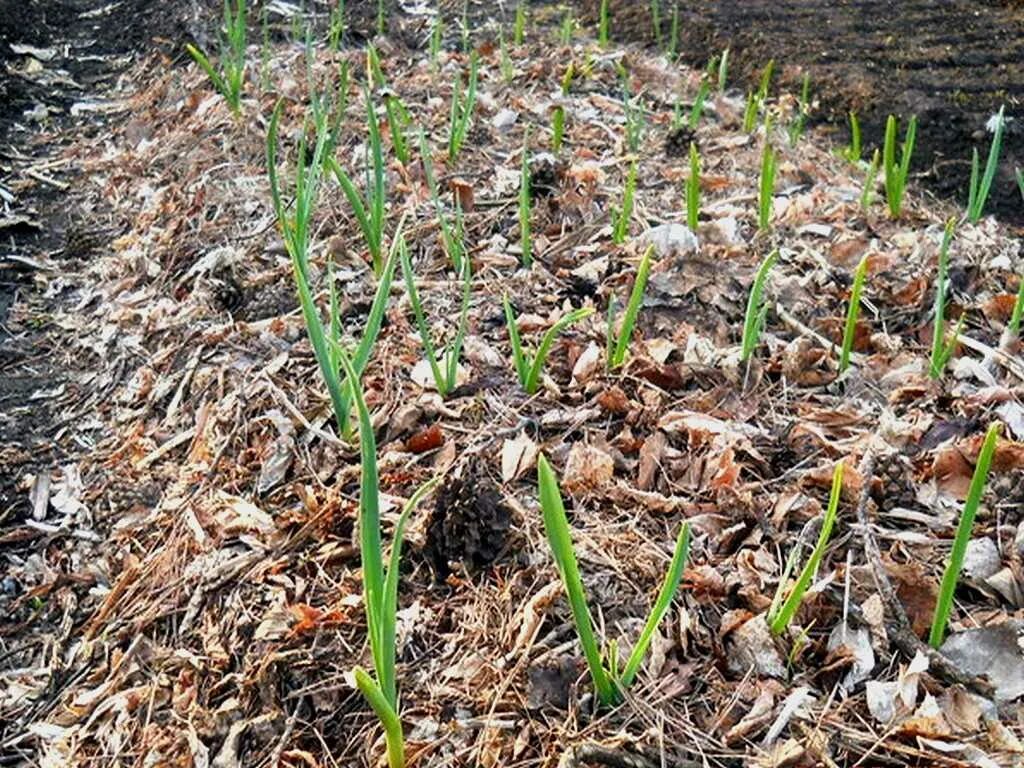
{"x":187,"y":587}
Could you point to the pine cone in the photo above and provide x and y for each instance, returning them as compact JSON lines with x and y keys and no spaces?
{"x":677,"y":142}
{"x":897,"y":490}
{"x":469,"y":524}
{"x":543,"y":178}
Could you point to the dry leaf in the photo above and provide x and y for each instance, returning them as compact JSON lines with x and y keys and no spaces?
{"x":517,"y":455}
{"x":587,"y":468}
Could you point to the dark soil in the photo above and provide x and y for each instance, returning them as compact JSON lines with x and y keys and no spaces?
{"x":84,"y":45}
{"x":952,"y":63}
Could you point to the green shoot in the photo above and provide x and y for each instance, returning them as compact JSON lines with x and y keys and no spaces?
{"x":693,"y":189}
{"x":369,"y":213}
{"x":436,"y":36}
{"x":462,"y":110}
{"x":453,"y":240}
{"x":398,"y":121}
{"x":230,"y":78}
{"x":567,"y":28}
{"x":757,"y":100}
{"x":677,"y":115}
{"x":766,"y":81}
{"x":519,"y":30}
{"x":896,"y":175}
{"x":464,"y":27}
{"x":673,"y":40}
{"x":608,"y":683}
{"x":622,"y":218}
{"x":634,"y":113}
{"x":525,"y":239}
{"x":1018,"y":311}
{"x":337,"y":25}
{"x":852,"y":313}
{"x":508,"y":70}
{"x":557,"y":128}
{"x":380,"y":584}
{"x":373,"y":67}
{"x":444,"y":368}
{"x":382,"y":18}
{"x":797,"y":127}
{"x":980,"y":188}
{"x":780,"y":591}
{"x":616,"y":357}
{"x":868,"y":195}
{"x":528,"y":368}
{"x":295,"y":228}
{"x":942,"y":350}
{"x":750,"y":113}
{"x":603,"y":25}
{"x":558,"y":116}
{"x":698,"y":103}
{"x":779,"y":620}
{"x":853,"y":151}
{"x":656,"y":21}
{"x":1019,"y":175}
{"x":951,"y":576}
{"x":723,"y":70}
{"x":757,"y":308}
{"x":766,"y":188}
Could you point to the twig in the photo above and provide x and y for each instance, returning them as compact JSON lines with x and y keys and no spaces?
{"x":799,"y":327}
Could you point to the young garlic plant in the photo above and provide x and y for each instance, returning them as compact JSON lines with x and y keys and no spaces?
{"x":369,"y":213}
{"x":529,"y":367}
{"x":896,"y":174}
{"x":444,"y":367}
{"x":295,"y":225}
{"x":463,"y":104}
{"x":380,"y":583}
{"x":757,"y":308}
{"x":781,"y":613}
{"x":942,"y":350}
{"x":230,"y":78}
{"x":617,"y":345}
{"x":610,"y":680}
{"x":852,"y":313}
{"x":980,"y":185}
{"x":951,"y":576}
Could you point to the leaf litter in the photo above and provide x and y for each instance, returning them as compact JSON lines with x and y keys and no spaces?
{"x":199,"y":599}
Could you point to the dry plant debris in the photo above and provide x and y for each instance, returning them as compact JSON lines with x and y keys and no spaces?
{"x":188,"y":591}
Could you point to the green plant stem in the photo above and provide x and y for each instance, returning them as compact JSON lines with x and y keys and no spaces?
{"x":693,"y":190}
{"x":393,"y":736}
{"x":669,"y":587}
{"x":1018,"y":311}
{"x":557,"y":528}
{"x":603,"y":25}
{"x":853,"y":152}
{"x":852,"y":313}
{"x":941,"y":349}
{"x":757,"y":308}
{"x":636,"y":298}
{"x":979,"y":189}
{"x":620,"y":231}
{"x":896,"y":175}
{"x":766,"y":188}
{"x":781,"y":621}
{"x":525,"y":239}
{"x":951,"y":576}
